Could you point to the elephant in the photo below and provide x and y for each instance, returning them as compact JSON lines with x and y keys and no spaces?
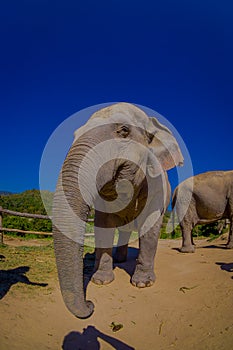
{"x":203,"y":199}
{"x":117,"y":163}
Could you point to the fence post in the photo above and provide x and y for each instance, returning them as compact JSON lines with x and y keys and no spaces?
{"x":1,"y":231}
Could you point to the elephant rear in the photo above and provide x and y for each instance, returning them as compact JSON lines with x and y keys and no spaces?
{"x":182,"y":197}
{"x":203,"y":199}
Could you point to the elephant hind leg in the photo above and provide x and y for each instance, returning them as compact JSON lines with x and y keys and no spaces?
{"x":187,"y":239}
{"x":122,"y":246}
{"x":230,"y":237}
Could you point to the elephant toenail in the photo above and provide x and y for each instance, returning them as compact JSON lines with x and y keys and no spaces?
{"x":141,"y":285}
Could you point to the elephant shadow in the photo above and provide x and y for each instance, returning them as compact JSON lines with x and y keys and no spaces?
{"x":88,"y":339}
{"x":212,"y":246}
{"x":10,"y":277}
{"x":225,"y":266}
{"x":128,"y":266}
{"x":215,"y":246}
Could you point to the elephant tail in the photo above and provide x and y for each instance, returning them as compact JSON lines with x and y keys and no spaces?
{"x":174,"y":197}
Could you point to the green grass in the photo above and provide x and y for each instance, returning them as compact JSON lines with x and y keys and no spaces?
{"x":27,"y":269}
{"x":28,"y":236}
{"x":32,"y":269}
{"x":90,"y":240}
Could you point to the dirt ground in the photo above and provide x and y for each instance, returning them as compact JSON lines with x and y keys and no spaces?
{"x":189,"y":307}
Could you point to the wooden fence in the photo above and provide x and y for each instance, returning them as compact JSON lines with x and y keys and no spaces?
{"x":26,"y":215}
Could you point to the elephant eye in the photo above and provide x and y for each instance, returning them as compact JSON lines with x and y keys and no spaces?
{"x":123,"y":131}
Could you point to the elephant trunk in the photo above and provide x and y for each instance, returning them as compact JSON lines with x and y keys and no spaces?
{"x":69,"y":258}
{"x":70,"y":214}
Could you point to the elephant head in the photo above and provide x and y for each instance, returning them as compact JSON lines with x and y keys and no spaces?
{"x":111,"y":154}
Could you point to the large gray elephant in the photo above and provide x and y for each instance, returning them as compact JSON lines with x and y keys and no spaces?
{"x":117,"y":163}
{"x":203,"y":199}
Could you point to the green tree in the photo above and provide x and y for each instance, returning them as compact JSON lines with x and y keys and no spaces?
{"x":27,"y":202}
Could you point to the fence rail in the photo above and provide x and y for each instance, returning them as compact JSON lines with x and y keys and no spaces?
{"x":26,"y":215}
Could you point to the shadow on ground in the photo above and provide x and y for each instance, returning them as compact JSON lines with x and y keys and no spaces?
{"x":129,"y":265}
{"x":225,"y":266}
{"x":10,"y":277}
{"x":212,"y":246}
{"x":215,"y":246}
{"x":88,"y":340}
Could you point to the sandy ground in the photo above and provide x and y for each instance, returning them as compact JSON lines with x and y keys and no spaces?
{"x":189,"y":307}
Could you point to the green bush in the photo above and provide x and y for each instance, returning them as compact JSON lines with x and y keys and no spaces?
{"x":26,"y":202}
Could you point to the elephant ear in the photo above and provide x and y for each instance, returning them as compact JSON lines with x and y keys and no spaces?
{"x":165,"y":152}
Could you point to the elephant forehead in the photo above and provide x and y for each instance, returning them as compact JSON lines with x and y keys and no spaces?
{"x":122,"y":108}
{"x":123,"y":118}
{"x":124,"y":113}
{"x":96,"y":126}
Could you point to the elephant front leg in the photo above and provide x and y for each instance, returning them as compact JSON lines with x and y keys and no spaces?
{"x":103,"y":256}
{"x":144,"y":275}
{"x":122,"y":246}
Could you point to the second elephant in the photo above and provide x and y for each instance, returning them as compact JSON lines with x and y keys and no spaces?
{"x":203,"y":199}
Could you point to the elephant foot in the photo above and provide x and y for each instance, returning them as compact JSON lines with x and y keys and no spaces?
{"x":101,"y":277}
{"x":121,"y":254}
{"x":103,"y":268}
{"x":187,"y":249}
{"x":229,"y":245}
{"x":143,"y":277}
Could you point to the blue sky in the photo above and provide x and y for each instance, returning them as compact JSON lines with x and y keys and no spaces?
{"x":58,"y":57}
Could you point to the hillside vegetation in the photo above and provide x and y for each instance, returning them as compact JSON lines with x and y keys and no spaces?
{"x":30,"y":202}
{"x":26,"y":202}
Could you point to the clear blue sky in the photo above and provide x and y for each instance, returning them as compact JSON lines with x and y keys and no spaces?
{"x":58,"y":57}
